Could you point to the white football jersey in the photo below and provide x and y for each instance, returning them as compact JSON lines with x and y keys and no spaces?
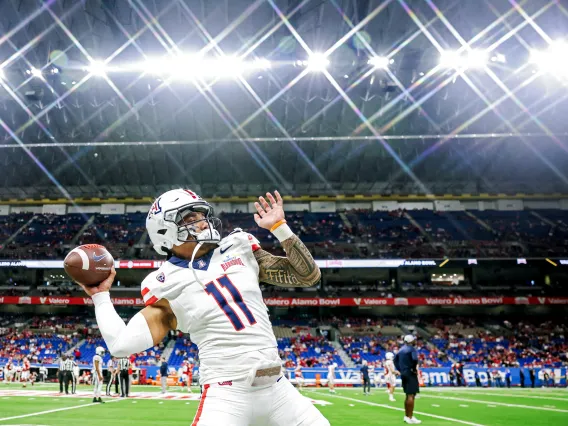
{"x":224,"y":313}
{"x":331,"y":371}
{"x":389,"y":367}
{"x":100,"y":369}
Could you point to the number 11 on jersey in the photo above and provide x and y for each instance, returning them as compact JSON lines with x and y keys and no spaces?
{"x":212,"y":290}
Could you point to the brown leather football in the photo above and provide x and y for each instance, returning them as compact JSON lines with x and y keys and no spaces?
{"x":89,"y":264}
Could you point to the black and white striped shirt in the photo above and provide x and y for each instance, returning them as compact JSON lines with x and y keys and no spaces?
{"x":61,"y":364}
{"x":123,"y":363}
{"x":68,"y":365}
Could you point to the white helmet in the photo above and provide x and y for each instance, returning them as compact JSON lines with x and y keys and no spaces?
{"x":100,"y":350}
{"x":165,"y":221}
{"x":389,"y":355}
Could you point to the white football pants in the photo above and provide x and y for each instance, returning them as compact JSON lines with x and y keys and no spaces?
{"x":238,"y":404}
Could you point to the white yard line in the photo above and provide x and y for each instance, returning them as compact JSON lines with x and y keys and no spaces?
{"x":39,"y":413}
{"x":503,"y":404}
{"x":515,"y":395}
{"x":420,"y":413}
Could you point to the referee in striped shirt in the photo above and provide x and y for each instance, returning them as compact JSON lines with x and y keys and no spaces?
{"x":123,"y":366}
{"x":68,"y":365}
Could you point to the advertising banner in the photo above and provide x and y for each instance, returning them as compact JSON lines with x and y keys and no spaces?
{"x":313,"y":301}
{"x":441,"y":377}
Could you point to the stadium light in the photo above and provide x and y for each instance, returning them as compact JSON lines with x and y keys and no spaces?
{"x":189,"y":66}
{"x":553,"y":60}
{"x":477,"y":59}
{"x":34,"y":72}
{"x":97,"y":68}
{"x":317,"y":62}
{"x":380,"y":62}
{"x":465,"y":60}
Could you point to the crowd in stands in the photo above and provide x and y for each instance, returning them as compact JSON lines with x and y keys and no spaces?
{"x":307,"y":351}
{"x":184,"y":348}
{"x":524,"y":344}
{"x":38,"y":347}
{"x":341,"y":235}
{"x":442,"y":341}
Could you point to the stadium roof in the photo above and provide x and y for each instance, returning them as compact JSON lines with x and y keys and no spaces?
{"x":317,"y":97}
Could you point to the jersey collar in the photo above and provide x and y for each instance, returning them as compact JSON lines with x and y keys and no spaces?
{"x":201,"y":264}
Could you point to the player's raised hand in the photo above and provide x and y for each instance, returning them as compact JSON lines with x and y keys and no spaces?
{"x":269,"y":212}
{"x":102,"y":287}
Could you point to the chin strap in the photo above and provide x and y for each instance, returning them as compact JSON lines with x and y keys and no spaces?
{"x":195,"y":250}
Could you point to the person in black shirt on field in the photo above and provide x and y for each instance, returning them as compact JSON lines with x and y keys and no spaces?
{"x":452,"y":376}
{"x":489,"y":384}
{"x":508,"y":378}
{"x":532,"y":376}
{"x":522,"y":377}
{"x":459,"y":376}
{"x":366,"y":379}
{"x":406,"y":362}
{"x":545,"y":378}
{"x":477,"y":380}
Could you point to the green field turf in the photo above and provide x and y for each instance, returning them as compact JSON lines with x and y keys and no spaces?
{"x":437,"y":407}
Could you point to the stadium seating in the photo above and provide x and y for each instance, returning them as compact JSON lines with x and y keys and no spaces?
{"x":308,"y":351}
{"x":183,"y":349}
{"x":44,"y":347}
{"x":377,"y":234}
{"x":447,"y":341}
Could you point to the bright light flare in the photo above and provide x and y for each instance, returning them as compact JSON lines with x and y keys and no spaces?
{"x":261,"y":64}
{"x":380,"y":62}
{"x":97,"y":68}
{"x":317,"y":62}
{"x":553,"y":60}
{"x":34,"y":72}
{"x":189,"y":67}
{"x":467,"y":60}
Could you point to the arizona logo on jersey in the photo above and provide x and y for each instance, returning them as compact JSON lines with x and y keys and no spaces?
{"x":231,"y":261}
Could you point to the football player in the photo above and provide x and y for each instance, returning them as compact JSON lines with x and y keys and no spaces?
{"x":186,"y":374}
{"x":26,"y":371}
{"x":209,"y":288}
{"x":9,"y":371}
{"x":98,"y":374}
{"x":331,"y":377}
{"x":390,"y":375}
{"x":299,"y":376}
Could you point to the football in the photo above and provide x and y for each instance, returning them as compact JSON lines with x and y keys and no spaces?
{"x":89,"y":264}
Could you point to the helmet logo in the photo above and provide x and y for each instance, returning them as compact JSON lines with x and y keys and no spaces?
{"x":156,"y":208}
